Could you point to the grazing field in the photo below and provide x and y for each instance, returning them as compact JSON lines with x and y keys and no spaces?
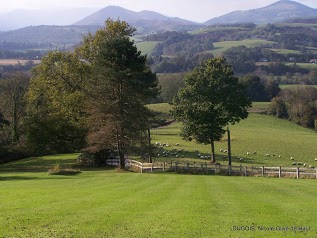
{"x":146,"y":47}
{"x":220,"y":47}
{"x":16,"y":61}
{"x":259,"y":133}
{"x":105,"y":203}
{"x":290,"y":86}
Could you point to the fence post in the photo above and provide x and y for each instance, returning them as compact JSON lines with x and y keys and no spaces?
{"x":246,"y":171}
{"x":262,"y":171}
{"x":187,"y":167}
{"x":164,"y":166}
{"x":176,"y":164}
{"x":229,"y":169}
{"x":202,"y":168}
{"x":152,"y":167}
{"x":240,"y":169}
{"x":280,"y":172}
{"x":297,"y":172}
{"x":142,"y":168}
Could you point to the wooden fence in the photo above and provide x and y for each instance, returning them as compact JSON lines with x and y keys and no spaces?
{"x":207,"y":168}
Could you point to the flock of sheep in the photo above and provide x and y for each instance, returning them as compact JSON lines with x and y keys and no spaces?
{"x":180,"y":153}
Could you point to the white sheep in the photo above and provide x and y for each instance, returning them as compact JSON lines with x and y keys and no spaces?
{"x":292,"y":158}
{"x":248,"y":153}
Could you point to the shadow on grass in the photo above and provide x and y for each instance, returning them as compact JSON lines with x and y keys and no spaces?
{"x":19,"y":178}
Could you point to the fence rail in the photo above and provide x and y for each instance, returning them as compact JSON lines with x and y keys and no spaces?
{"x":206,"y":168}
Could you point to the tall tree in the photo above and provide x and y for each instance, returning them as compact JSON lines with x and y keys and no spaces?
{"x":12,"y":100}
{"x":120,"y":84}
{"x":56,"y":104}
{"x":211,"y":99}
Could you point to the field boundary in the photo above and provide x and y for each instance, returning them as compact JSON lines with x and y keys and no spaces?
{"x":207,"y":168}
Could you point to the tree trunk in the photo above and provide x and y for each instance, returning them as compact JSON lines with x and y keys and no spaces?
{"x":149,"y":143}
{"x":213,"y":157}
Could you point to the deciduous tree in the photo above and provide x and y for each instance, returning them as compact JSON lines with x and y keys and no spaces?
{"x":211,"y":99}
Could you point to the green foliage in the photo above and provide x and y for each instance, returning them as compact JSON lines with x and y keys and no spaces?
{"x":211,"y":99}
{"x":118,"y":87}
{"x":56,"y":104}
{"x":254,"y":88}
{"x":300,"y":104}
{"x":170,"y":84}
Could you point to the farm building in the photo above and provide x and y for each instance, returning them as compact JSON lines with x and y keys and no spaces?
{"x":313,"y":61}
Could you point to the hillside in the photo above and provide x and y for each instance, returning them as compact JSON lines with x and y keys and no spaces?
{"x":276,"y":12}
{"x":144,"y":21}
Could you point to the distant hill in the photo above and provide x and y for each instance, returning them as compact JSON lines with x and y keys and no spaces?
{"x":54,"y":35}
{"x":276,"y":12}
{"x":23,"y":18}
{"x":302,"y":20}
{"x":144,"y":21}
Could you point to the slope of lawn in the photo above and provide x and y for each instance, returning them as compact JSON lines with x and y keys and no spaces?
{"x":105,"y":203}
{"x":259,"y":133}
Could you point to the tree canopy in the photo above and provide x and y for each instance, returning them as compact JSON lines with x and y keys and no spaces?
{"x":211,"y":99}
{"x":95,"y":94}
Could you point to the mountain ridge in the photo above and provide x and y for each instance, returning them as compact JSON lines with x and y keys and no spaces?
{"x":276,"y":12}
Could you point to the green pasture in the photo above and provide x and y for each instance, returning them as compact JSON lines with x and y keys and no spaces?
{"x":290,"y":86}
{"x":146,"y":47}
{"x":303,"y":65}
{"x":106,"y":203}
{"x":220,"y":47}
{"x":259,"y":133}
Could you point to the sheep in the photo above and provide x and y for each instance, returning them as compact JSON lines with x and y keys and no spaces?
{"x":167,"y":145}
{"x":248,"y":153}
{"x":293,"y":163}
{"x":292,"y":158}
{"x":221,"y":150}
{"x":177,"y":144}
{"x":267,"y":155}
{"x":315,"y":159}
{"x":280,"y":156}
{"x":225,"y":151}
{"x":310,"y":166}
{"x":224,"y":157}
{"x":254,"y":152}
{"x":241,"y":159}
{"x":304,"y":165}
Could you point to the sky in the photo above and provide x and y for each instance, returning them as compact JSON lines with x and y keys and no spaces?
{"x":194,"y":10}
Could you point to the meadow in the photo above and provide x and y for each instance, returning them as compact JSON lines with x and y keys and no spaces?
{"x":109,"y":203}
{"x":259,"y":133}
{"x":220,"y":47}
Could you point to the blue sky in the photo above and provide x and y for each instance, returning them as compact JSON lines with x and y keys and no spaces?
{"x":195,"y":10}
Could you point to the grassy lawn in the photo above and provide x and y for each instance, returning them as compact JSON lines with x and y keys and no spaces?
{"x":104,"y":203}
